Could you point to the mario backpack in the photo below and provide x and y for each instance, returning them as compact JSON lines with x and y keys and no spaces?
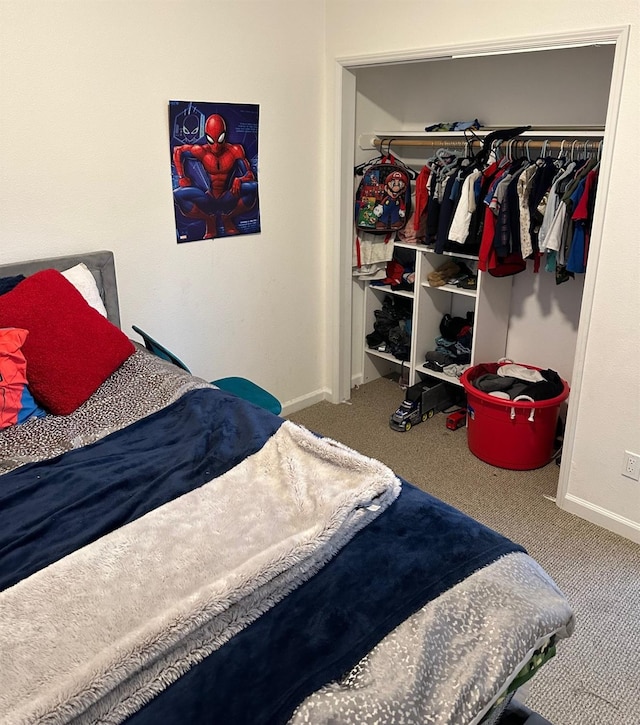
{"x":383,"y":197}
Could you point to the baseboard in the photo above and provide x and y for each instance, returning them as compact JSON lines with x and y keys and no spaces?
{"x":304,"y":401}
{"x":601,"y":517}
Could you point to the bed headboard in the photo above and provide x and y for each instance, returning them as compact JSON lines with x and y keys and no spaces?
{"x":101,"y":264}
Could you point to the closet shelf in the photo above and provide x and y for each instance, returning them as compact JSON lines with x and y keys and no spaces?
{"x":452,"y":289}
{"x":384,"y":356}
{"x":386,"y":288}
{"x":431,"y":250}
{"x":421,"y":370}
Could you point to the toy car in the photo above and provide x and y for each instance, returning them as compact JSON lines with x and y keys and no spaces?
{"x":422,"y":401}
{"x":457,"y":419}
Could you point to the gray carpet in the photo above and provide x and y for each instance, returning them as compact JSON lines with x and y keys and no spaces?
{"x":594,"y":678}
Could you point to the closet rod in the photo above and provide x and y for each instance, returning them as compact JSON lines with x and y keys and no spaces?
{"x":578,"y":143}
{"x":418,"y":138}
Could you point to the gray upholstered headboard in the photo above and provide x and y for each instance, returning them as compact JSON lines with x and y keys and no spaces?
{"x":101,"y":264}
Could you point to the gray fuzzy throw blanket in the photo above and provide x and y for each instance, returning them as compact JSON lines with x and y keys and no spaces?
{"x":94,"y":636}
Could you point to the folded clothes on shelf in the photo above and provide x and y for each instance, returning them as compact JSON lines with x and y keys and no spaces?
{"x":454,"y":126}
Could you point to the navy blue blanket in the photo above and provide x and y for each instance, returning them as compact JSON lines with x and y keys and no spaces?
{"x":413,"y":552}
{"x":49,"y":509}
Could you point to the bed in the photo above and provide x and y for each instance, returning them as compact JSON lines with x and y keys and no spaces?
{"x":171,"y":553}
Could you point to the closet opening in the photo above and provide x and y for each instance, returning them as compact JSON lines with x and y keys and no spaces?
{"x":565,"y":86}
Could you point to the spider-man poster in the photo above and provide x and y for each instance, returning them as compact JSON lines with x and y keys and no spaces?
{"x":214,"y":169}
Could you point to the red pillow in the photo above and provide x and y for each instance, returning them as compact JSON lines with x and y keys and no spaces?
{"x":71,"y":348}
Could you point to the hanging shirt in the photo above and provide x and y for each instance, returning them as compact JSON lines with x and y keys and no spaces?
{"x":552,"y":206}
{"x":486,"y":256}
{"x":542,"y":182}
{"x":459,"y":230}
{"x":371,"y":249}
{"x":525,"y":183}
{"x":513,"y":212}
{"x":506,"y":238}
{"x":448,"y":204}
{"x":433,"y":210}
{"x":422,"y":197}
{"x":476,"y":225}
{"x":579,"y":248}
{"x":553,"y":239}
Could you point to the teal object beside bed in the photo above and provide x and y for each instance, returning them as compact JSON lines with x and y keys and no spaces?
{"x":248,"y":390}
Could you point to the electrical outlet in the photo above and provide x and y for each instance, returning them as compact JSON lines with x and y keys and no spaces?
{"x":631,"y":465}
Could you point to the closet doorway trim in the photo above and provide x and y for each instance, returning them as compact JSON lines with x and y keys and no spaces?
{"x":341,"y":228}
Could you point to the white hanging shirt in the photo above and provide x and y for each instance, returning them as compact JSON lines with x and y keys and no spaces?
{"x":459,"y":230}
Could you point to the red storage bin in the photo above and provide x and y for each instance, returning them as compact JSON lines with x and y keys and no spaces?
{"x":507,"y":434}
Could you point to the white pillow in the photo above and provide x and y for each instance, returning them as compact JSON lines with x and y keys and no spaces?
{"x":82,"y":279}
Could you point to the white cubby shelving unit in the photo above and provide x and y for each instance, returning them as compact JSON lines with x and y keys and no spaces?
{"x":489,"y":302}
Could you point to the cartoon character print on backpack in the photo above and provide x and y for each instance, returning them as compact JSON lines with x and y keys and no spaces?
{"x":383,"y":199}
{"x":392,"y":210}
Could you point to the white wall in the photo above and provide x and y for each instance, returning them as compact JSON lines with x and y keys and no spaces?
{"x":608,"y":406}
{"x":84,"y":91}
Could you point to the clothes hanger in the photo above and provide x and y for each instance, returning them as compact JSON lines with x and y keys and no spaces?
{"x":380,"y":158}
{"x":523,"y":151}
{"x":470,"y":136}
{"x":447,"y":160}
{"x":573,"y":148}
{"x":501,"y":153}
{"x":388,"y":156}
{"x":502,"y":134}
{"x":360,"y":168}
{"x":518,"y":148}
{"x":509,"y":152}
{"x":561,"y":159}
{"x":594,"y":152}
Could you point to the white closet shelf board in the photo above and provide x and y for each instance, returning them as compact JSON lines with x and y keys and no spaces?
{"x":346,"y":137}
